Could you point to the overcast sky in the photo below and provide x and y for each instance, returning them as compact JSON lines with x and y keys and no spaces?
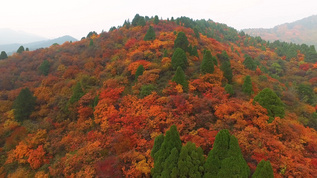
{"x":56,"y":18}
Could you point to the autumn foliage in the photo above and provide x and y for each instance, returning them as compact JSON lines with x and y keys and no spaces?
{"x":92,"y":118}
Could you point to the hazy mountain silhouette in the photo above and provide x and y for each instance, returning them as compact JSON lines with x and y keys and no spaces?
{"x":301,"y":31}
{"x":11,"y":48}
{"x":8,"y":36}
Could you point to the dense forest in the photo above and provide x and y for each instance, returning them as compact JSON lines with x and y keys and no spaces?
{"x":160,"y":98}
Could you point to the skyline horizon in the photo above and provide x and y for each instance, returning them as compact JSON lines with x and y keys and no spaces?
{"x":100,"y":31}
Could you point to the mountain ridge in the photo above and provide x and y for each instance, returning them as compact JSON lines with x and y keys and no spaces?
{"x":303,"y":31}
{"x":11,"y":48}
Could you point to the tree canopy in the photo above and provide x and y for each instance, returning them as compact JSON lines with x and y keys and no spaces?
{"x":24,"y":105}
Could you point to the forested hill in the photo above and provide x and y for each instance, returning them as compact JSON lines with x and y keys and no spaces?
{"x":299,"y":32}
{"x":93,"y":108}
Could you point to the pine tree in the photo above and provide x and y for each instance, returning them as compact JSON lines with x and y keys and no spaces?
{"x":269,"y":100}
{"x":249,"y":63}
{"x":157,"y":144}
{"x":139,"y":72}
{"x":141,"y":21}
{"x":229,"y":89}
{"x":180,"y":78}
{"x":77,"y":93}
{"x":24,"y":105}
{"x":194,"y":51}
{"x":3,"y":55}
{"x":234,"y":165}
{"x":223,"y":56}
{"x":207,"y":65}
{"x":156,"y":20}
{"x":263,"y":170}
{"x":20,"y":50}
{"x":227,"y":72}
{"x":168,"y":150}
{"x":150,"y":34}
{"x":136,"y":20}
{"x":179,"y":59}
{"x":181,"y":41}
{"x":217,"y":154}
{"x":45,"y":67}
{"x":191,"y":161}
{"x":247,"y":85}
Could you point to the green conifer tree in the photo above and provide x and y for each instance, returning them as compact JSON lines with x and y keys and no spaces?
{"x":3,"y":55}
{"x":77,"y":93}
{"x":141,"y":21}
{"x":234,"y":165}
{"x":217,"y":154}
{"x":150,"y":34}
{"x":227,"y":72}
{"x":194,"y":52}
{"x":179,"y":59}
{"x":139,"y":71}
{"x":247,"y":85}
{"x":229,"y":89}
{"x":45,"y":67}
{"x":263,"y":170}
{"x":180,"y":78}
{"x":24,"y":105}
{"x":136,"y":20}
{"x":269,"y":100}
{"x":191,"y":161}
{"x":170,"y":142}
{"x":249,"y":63}
{"x":181,"y":41}
{"x":156,"y":20}
{"x":207,"y":65}
{"x":20,"y":50}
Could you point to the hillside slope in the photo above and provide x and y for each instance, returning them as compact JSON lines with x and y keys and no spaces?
{"x":299,"y":32}
{"x":97,"y":112}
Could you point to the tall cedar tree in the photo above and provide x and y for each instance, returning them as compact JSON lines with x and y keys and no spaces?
{"x":164,"y":149}
{"x":229,"y":89}
{"x":225,"y":159}
{"x":306,"y":93}
{"x":194,"y":52}
{"x":263,"y":170}
{"x":136,"y":19}
{"x":191,"y":161}
{"x":3,"y":55}
{"x":249,"y":63}
{"x":139,"y":72}
{"x":179,"y":59}
{"x":156,"y":20}
{"x":269,"y":100}
{"x":20,"y":50}
{"x":150,"y":34}
{"x":234,"y":165}
{"x":217,"y":154}
{"x":181,"y":41}
{"x":77,"y":93}
{"x":180,"y":78}
{"x":227,"y":72}
{"x":45,"y":67}
{"x":207,"y":65}
{"x":247,"y":85}
{"x":24,"y":105}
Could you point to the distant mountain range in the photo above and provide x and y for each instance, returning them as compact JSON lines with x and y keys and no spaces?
{"x":11,"y":48}
{"x":301,"y":31}
{"x":9,"y":36}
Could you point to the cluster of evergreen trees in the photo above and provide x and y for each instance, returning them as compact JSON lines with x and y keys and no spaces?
{"x":171,"y":159}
